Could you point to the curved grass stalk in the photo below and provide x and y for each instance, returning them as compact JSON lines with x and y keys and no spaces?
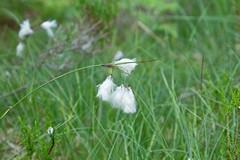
{"x":44,"y":84}
{"x":9,"y":108}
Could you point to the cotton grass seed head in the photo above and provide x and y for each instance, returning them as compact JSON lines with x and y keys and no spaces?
{"x":123,"y":98}
{"x":106,"y":88}
{"x":129,"y":103}
{"x":116,"y":97}
{"x":48,"y":25}
{"x":119,"y":97}
{"x":25,"y":29}
{"x":50,"y":130}
{"x":8,"y":74}
{"x":126,"y":65}
{"x":19,"y":49}
{"x":118,"y":55}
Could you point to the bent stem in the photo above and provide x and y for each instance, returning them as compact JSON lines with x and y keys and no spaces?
{"x":44,"y":84}
{"x":109,"y":65}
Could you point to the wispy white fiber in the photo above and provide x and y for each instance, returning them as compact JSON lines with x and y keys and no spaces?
{"x":126,"y":65}
{"x":50,"y":130}
{"x":118,"y":55}
{"x":19,"y":49}
{"x":105,"y":89}
{"x":123,"y":98}
{"x":48,"y":26}
{"x":25,"y":29}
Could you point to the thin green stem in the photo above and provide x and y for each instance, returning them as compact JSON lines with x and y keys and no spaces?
{"x":201,"y":83}
{"x":63,"y":75}
{"x":44,"y":84}
{"x":111,"y":65}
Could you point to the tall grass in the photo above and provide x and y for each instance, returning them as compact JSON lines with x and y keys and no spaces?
{"x":186,"y":102}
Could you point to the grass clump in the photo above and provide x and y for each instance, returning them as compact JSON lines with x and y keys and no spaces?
{"x":36,"y":144}
{"x":230,"y":139}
